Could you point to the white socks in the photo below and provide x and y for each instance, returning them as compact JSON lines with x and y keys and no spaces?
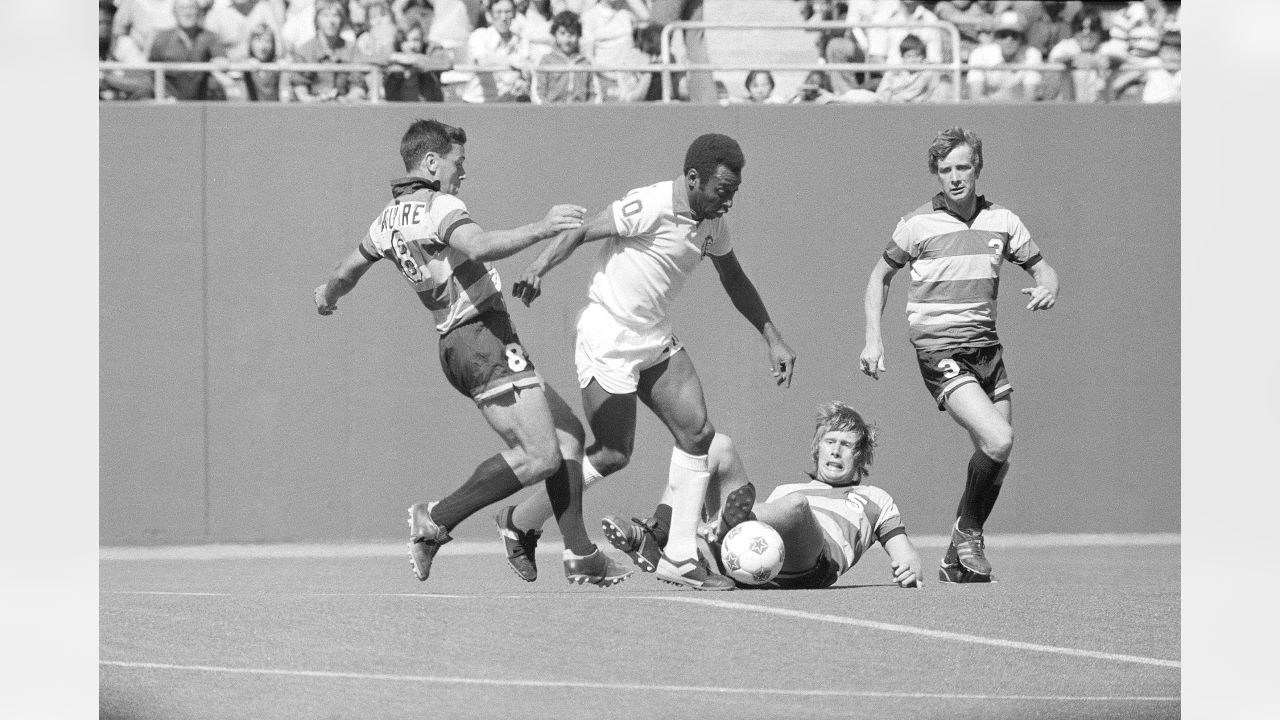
{"x":687,"y":489}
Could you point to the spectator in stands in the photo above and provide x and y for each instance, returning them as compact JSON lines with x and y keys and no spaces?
{"x":1164,"y":83}
{"x":380,"y":37}
{"x":135,"y":26}
{"x":839,"y":46}
{"x":413,"y":69}
{"x":408,"y":13}
{"x":664,"y":12}
{"x":913,"y":86}
{"x":577,"y":7}
{"x":815,"y":89}
{"x":451,"y":27}
{"x":649,"y":41}
{"x":261,"y":85}
{"x":233,"y":20}
{"x":973,"y":20}
{"x":565,"y":87}
{"x":298,"y":27}
{"x":1144,"y":46}
{"x":987,"y":83}
{"x":117,"y":84}
{"x":533,"y":25}
{"x":1087,"y":68}
{"x":497,"y":45}
{"x":330,"y":45}
{"x":188,"y":41}
{"x":760,"y":86}
{"x":609,"y":38}
{"x":1049,"y":22}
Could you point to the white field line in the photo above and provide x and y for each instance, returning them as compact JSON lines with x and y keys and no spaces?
{"x":450,"y":680}
{"x":484,"y":547}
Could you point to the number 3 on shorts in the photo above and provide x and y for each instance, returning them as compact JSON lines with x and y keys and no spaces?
{"x":950,"y":368}
{"x":517,"y":360}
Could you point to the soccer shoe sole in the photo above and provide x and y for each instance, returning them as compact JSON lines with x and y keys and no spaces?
{"x":958,"y":574}
{"x":527,"y":572}
{"x":737,"y":509}
{"x":617,"y":533}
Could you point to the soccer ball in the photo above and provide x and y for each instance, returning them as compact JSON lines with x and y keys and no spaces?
{"x":752,"y":553}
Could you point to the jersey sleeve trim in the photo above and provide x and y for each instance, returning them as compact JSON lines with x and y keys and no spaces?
{"x":884,"y":537}
{"x":448,"y":232}
{"x":892,"y":263}
{"x":1031,"y":261}
{"x":368,"y":254}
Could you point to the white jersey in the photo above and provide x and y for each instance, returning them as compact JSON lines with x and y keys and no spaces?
{"x":657,"y":246}
{"x":852,"y":518}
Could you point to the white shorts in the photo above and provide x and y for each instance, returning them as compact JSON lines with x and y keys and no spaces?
{"x":614,"y":354}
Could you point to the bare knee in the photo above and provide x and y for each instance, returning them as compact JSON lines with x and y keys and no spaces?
{"x":794,"y":506}
{"x":607,"y":460}
{"x":997,"y":443}
{"x":542,"y":461}
{"x":699,"y":441}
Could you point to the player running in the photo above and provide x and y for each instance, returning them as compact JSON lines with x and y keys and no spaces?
{"x":428,"y":234}
{"x":655,"y":237}
{"x":956,"y":245}
{"x":826,"y":523}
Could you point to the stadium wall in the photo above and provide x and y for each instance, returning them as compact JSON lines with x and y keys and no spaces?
{"x":231,"y":412}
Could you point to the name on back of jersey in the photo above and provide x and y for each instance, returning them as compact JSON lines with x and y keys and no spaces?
{"x":402,"y":214}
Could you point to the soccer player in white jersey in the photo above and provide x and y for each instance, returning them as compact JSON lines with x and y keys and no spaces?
{"x":826,"y":523}
{"x":428,"y":235}
{"x":655,"y":237}
{"x":956,"y":245}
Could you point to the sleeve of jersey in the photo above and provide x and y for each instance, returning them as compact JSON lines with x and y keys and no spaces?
{"x":898,"y":252}
{"x":636,"y":214}
{"x":1021,"y":249}
{"x":889,"y":523}
{"x":369,"y":248}
{"x":448,"y":213}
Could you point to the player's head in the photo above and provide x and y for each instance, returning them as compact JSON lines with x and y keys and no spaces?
{"x":712,"y":173}
{"x":436,"y":151}
{"x":955,"y":158}
{"x":843,"y":445}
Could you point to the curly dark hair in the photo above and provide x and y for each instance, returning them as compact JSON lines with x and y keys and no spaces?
{"x":710,"y":151}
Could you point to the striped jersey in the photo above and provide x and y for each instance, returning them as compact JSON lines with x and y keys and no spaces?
{"x":955,"y":270}
{"x":852,"y":517}
{"x":413,"y":232}
{"x":656,"y":247}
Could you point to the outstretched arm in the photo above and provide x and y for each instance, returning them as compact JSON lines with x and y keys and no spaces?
{"x":1045,"y":294}
{"x":872,"y":359}
{"x":479,"y":244}
{"x":905,"y":561}
{"x":341,"y":281}
{"x":528,"y":286}
{"x":782,"y":361}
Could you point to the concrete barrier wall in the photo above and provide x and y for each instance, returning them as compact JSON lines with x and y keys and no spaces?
{"x":230,"y":411}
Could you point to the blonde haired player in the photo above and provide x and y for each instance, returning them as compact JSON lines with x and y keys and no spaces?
{"x":827,"y":523}
{"x":655,"y":237}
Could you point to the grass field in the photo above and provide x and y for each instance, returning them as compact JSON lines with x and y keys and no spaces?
{"x":1075,"y":628}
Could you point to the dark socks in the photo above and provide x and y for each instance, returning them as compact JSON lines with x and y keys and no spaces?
{"x":492,"y":481}
{"x":566,"y":497}
{"x":982,"y":487}
{"x":662,"y":517}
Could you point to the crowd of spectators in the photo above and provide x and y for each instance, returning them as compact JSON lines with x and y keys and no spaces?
{"x":544,"y":51}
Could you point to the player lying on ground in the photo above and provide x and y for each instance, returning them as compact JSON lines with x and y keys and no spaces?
{"x":427,"y":233}
{"x":826,"y":523}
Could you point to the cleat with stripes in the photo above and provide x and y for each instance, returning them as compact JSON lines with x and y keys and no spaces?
{"x":635,"y":538}
{"x":425,"y":539}
{"x":692,"y":573}
{"x":596,"y":569}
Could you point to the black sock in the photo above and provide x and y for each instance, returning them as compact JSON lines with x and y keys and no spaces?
{"x":492,"y":481}
{"x":993,"y":492}
{"x":566,"y":496}
{"x":980,"y":491}
{"x":662,"y":519}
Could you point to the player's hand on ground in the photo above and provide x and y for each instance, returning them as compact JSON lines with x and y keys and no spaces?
{"x":323,"y":307}
{"x":908,"y":573}
{"x":782,"y":362}
{"x":1041,"y":297}
{"x":565,"y":217}
{"x":872,"y":360}
{"x":527,"y":287}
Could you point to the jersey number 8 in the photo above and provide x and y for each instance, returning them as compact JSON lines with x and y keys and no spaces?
{"x":517,"y":359}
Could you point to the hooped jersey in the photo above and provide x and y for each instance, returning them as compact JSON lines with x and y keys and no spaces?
{"x":413,"y":231}
{"x":657,"y":246}
{"x":955,"y":270}
{"x":852,"y":518}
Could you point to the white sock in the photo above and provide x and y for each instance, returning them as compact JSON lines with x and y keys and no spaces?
{"x":590,"y":475}
{"x":687,"y":488}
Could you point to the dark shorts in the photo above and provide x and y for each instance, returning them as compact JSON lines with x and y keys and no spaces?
{"x":945,"y":370}
{"x":484,"y":359}
{"x":823,"y":574}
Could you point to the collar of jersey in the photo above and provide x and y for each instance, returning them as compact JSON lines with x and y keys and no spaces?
{"x":411,"y":184}
{"x":680,"y":198}
{"x":940,"y":203}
